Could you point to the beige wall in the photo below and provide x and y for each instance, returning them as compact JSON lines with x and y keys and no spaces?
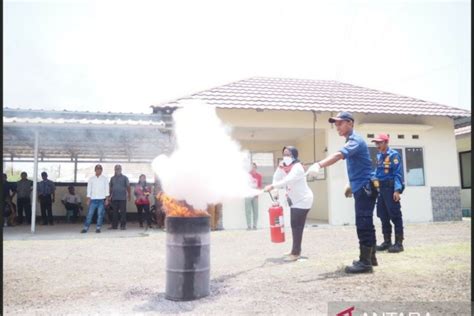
{"x":436,"y":137}
{"x":319,"y":211}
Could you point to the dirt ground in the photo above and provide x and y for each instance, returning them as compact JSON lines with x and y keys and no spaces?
{"x":62,"y":272}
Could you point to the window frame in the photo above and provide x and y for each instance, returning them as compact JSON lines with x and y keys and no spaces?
{"x":250,"y":156}
{"x":460,"y":168}
{"x":403,"y":149}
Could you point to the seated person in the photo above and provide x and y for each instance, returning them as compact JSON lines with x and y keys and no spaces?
{"x":72,"y":202}
{"x":9,"y":208}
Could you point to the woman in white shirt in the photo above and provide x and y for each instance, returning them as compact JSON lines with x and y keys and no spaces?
{"x":290,"y":174}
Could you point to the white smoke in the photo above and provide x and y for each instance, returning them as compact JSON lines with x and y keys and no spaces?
{"x":207,"y":166}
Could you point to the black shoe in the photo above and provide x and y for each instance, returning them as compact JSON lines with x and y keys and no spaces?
{"x":83,"y":231}
{"x":122,"y":228}
{"x":51,"y":223}
{"x":141,"y":225}
{"x":373,"y":260}
{"x":398,"y":246}
{"x":387,"y":242}
{"x":97,"y":230}
{"x":112,"y":227}
{"x":364,"y":265}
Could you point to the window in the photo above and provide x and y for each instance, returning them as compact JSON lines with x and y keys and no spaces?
{"x":63,"y":172}
{"x":415,"y":166}
{"x":131,"y":170}
{"x":373,"y":156}
{"x":57,"y":171}
{"x":265,"y":166}
{"x":465,"y":163}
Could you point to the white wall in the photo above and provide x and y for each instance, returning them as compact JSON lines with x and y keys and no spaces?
{"x":319,"y":211}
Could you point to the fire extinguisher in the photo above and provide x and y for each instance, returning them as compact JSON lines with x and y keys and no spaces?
{"x":277,"y":225}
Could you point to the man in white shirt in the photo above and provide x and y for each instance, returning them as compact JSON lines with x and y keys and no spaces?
{"x":97,"y":193}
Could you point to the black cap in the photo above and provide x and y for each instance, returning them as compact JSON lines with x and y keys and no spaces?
{"x":341,"y":116}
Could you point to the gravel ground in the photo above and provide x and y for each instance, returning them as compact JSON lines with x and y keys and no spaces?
{"x":124,"y":272}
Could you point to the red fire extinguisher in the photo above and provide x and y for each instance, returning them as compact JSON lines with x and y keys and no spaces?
{"x":277,"y":226}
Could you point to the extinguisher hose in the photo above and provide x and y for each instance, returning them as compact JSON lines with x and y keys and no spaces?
{"x":271,"y":196}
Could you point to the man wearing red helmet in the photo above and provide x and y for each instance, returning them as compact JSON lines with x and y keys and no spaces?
{"x":389,"y":176}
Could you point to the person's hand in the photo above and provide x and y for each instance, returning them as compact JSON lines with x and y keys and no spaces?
{"x":268,"y":188}
{"x":396,"y":196}
{"x":314,"y":168}
{"x":88,"y":201}
{"x":348,"y":191}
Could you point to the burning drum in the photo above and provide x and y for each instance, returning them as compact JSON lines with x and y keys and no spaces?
{"x":187,"y":257}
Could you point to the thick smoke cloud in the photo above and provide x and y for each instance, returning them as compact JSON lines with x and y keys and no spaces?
{"x":208,"y":166}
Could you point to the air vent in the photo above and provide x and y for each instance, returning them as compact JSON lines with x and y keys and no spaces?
{"x":415,"y":136}
{"x":370,"y":135}
{"x":401,"y":136}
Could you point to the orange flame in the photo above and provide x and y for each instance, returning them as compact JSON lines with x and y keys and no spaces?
{"x":176,"y":208}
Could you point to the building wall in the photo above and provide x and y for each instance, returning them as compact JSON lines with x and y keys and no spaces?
{"x":436,"y":137}
{"x":319,"y":211}
{"x":234,"y":210}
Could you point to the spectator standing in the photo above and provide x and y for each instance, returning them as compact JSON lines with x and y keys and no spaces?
{"x":251,"y":203}
{"x":97,"y":194}
{"x":46,"y":194}
{"x":24,"y":188}
{"x":142,"y":192}
{"x":119,"y":194}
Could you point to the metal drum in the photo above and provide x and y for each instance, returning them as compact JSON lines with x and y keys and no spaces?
{"x":187,"y":258}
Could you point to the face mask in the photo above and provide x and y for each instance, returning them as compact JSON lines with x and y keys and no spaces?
{"x":287,"y":160}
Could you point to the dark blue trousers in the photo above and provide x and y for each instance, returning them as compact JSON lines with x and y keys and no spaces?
{"x":389,"y":210}
{"x":364,"y":209}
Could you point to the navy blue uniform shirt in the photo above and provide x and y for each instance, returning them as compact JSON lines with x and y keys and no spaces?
{"x":359,"y":166}
{"x":390,"y":167}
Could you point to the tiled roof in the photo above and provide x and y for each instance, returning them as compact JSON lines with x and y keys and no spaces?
{"x":315,"y":95}
{"x":462,"y":130}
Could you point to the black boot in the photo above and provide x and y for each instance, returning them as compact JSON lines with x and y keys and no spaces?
{"x":364,"y":264}
{"x":387,"y":243}
{"x":373,"y":259}
{"x":398,"y":246}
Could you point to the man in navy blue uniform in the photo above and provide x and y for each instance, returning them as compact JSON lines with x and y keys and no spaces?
{"x":359,"y":170}
{"x":389,"y":179}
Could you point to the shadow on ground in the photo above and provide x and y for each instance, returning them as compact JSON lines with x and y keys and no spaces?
{"x":338,"y":274}
{"x":156,"y":301}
